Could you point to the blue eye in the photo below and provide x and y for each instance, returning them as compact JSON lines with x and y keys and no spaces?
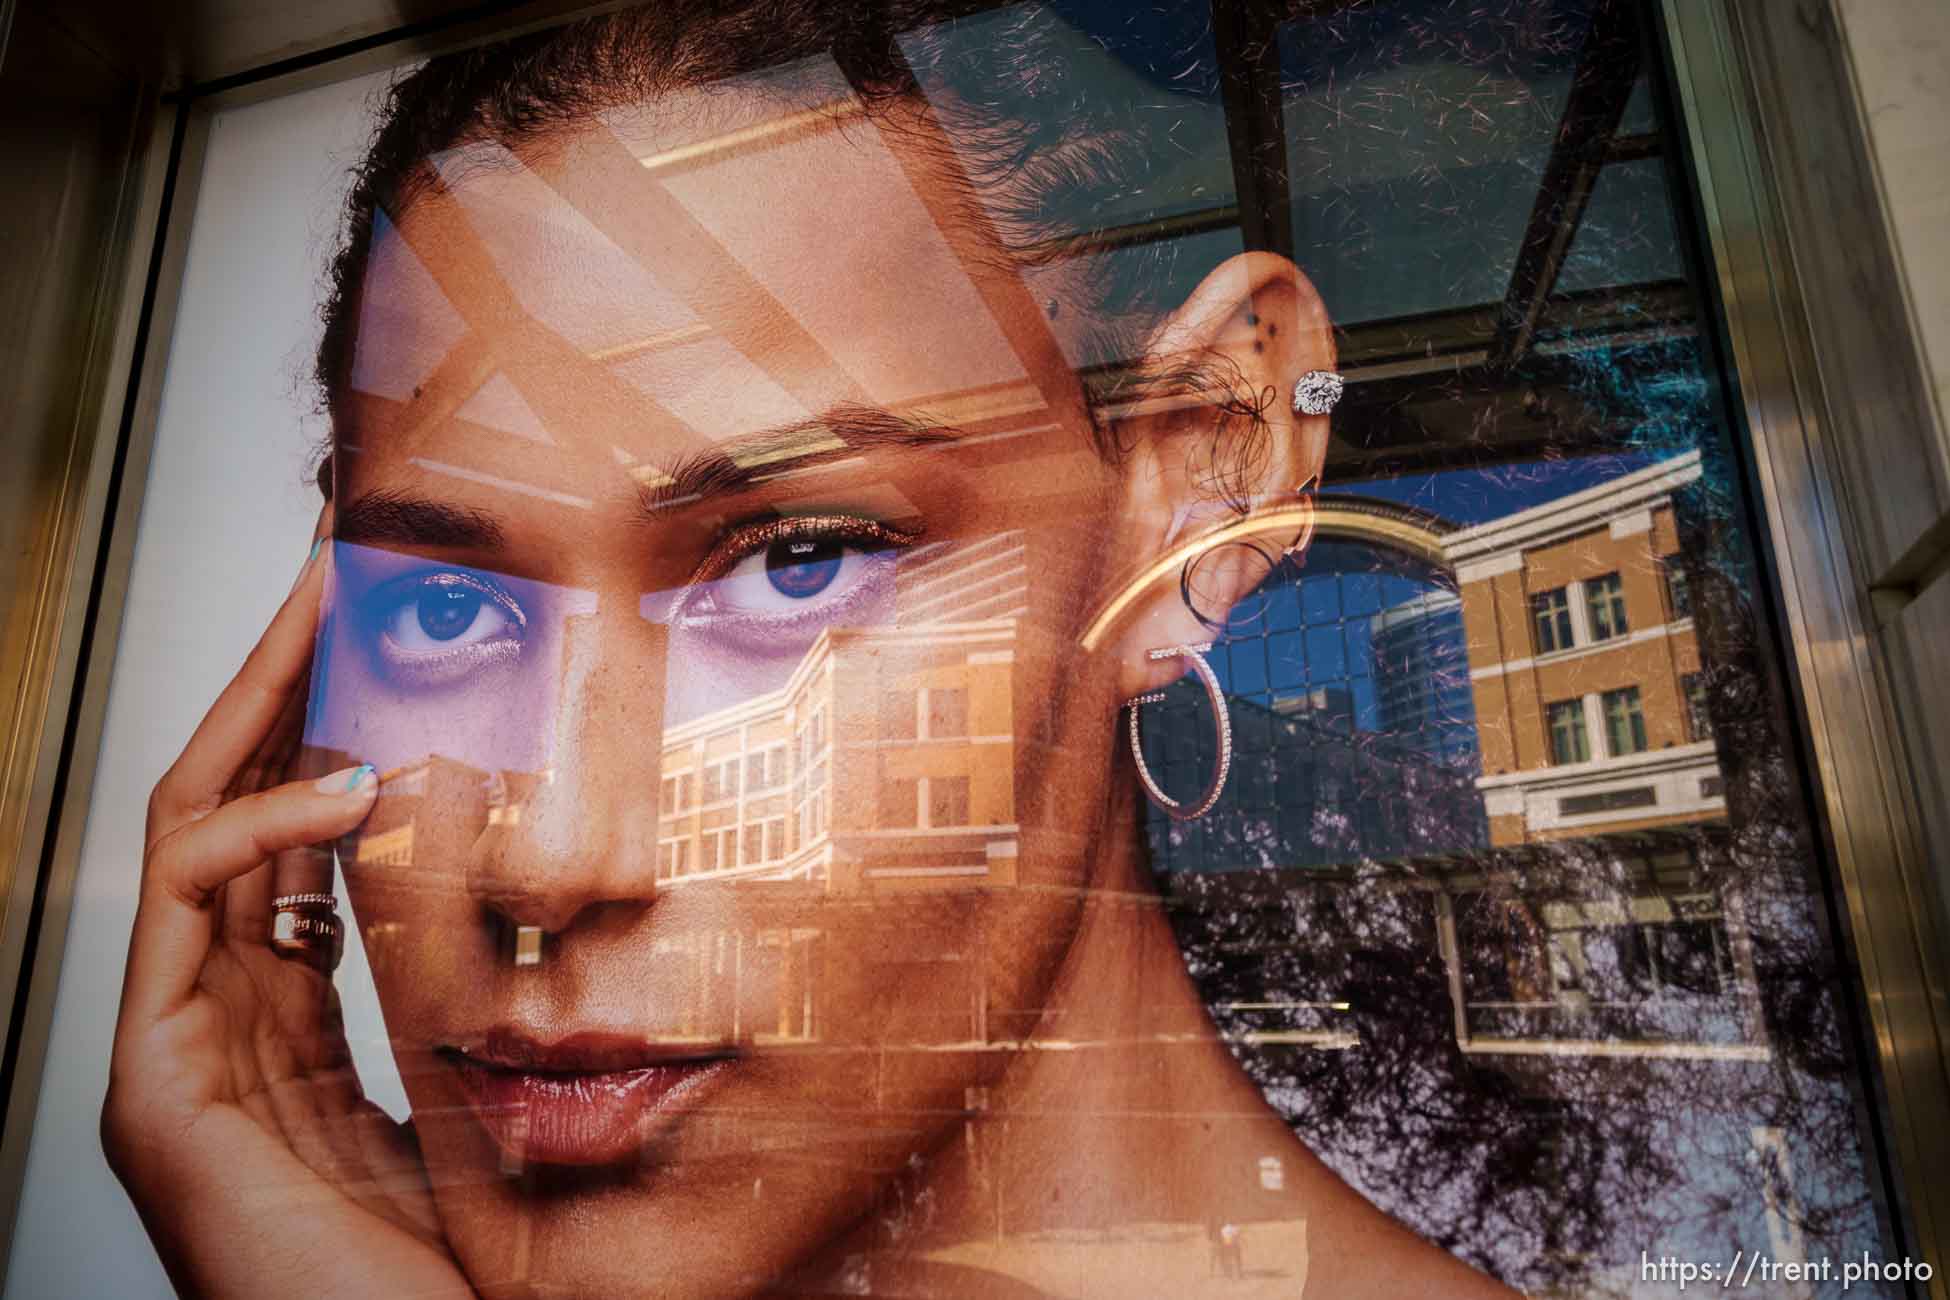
{"x":803,"y":567}
{"x":438,"y":628}
{"x":774,"y":586}
{"x":446,"y":612}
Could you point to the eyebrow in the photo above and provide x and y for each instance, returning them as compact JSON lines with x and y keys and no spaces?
{"x":839,"y":434}
{"x":386,"y":517}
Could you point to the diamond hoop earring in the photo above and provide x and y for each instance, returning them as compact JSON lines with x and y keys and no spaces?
{"x":1317,"y":392}
{"x":1195,"y":652}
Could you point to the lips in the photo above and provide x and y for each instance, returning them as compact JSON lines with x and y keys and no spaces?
{"x":589,"y":1099}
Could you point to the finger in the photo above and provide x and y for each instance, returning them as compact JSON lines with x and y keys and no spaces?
{"x":303,"y":871}
{"x":306,"y":870}
{"x":247,"y":710}
{"x":276,"y":758}
{"x":176,"y":921}
{"x":247,"y":899}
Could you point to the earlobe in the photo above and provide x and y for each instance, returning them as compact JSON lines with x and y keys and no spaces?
{"x":1192,"y":592}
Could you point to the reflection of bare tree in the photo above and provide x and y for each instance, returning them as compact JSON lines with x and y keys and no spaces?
{"x":1545,"y":1157}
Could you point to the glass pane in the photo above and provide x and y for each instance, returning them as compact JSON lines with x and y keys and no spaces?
{"x":947,"y":712}
{"x":1568,"y":741}
{"x":1606,"y":603}
{"x":1624,"y":722}
{"x":871,"y":748}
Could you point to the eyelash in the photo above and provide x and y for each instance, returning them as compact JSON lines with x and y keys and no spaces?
{"x":861,"y":534}
{"x":749,"y":539}
{"x":430,"y":669}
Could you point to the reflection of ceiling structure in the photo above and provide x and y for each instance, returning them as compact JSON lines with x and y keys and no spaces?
{"x":1431,"y":391}
{"x":1487,"y":382}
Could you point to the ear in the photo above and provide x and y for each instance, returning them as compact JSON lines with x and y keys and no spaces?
{"x":1259,"y":321}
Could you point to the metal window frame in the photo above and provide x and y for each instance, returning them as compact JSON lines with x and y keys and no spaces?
{"x":1731,"y":65}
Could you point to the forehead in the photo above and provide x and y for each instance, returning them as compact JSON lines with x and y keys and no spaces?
{"x":735,"y":258}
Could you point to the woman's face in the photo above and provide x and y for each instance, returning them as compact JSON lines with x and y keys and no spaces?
{"x":716,"y":518}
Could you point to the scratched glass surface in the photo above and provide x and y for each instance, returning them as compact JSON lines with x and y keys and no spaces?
{"x":762,"y":459}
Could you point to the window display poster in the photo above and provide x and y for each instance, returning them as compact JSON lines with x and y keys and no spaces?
{"x":1047,"y":650}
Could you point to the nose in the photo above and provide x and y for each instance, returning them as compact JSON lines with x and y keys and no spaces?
{"x":580,"y":837}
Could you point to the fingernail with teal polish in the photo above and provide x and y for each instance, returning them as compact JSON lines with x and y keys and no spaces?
{"x":345,"y":780}
{"x":314,"y":550}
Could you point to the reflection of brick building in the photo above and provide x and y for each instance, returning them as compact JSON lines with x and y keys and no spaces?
{"x":1585,"y":664}
{"x":1565,"y":657}
{"x":914,"y":728}
{"x":885,"y":765}
{"x":1652,"y":958}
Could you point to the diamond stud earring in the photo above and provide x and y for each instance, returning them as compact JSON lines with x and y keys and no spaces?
{"x":1316,"y":392}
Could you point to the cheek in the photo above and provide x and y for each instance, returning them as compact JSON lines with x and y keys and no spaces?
{"x":396,"y":688}
{"x":496,"y":722}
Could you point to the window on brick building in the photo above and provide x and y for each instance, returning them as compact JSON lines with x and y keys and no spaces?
{"x":947,"y":712}
{"x":1569,"y":743}
{"x":1699,"y":723}
{"x":1679,"y":592}
{"x":1550,"y":620}
{"x":948,"y":801}
{"x":899,"y":802}
{"x":1624,"y":722}
{"x":1605,"y":602}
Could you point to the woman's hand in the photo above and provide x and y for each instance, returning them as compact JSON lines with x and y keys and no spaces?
{"x":234,"y":1117}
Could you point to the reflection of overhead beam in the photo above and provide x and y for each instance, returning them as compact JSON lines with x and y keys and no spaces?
{"x":1155,"y":230}
{"x":1634,"y":148}
{"x":604,"y":182}
{"x":1427,"y":393}
{"x":1424,"y":393}
{"x":447,"y":388}
{"x":796,"y":444}
{"x":654,"y":343}
{"x":1653,"y":1049}
{"x":759,"y":135}
{"x":556,"y":380}
{"x":506,"y":485}
{"x":972,"y":407}
{"x":1607,"y":67}
{"x":932,"y":165}
{"x":1245,"y":33}
{"x":1464,"y":335}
